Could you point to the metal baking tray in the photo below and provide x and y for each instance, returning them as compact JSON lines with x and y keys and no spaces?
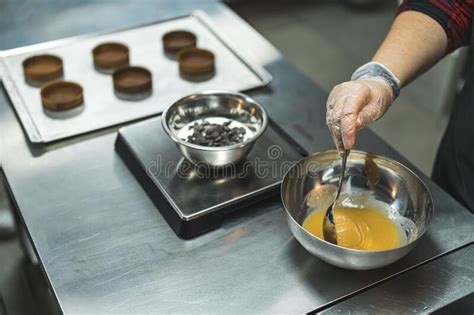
{"x":102,"y":108}
{"x":194,"y":201}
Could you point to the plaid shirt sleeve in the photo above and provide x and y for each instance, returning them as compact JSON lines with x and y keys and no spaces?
{"x":455,"y":16}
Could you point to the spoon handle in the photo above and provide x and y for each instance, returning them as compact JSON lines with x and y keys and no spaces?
{"x":343,"y":171}
{"x":329,"y":226}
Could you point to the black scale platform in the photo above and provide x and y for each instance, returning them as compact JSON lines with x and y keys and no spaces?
{"x":194,"y":200}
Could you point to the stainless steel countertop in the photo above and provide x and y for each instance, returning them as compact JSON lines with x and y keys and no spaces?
{"x":422,"y":290}
{"x":104,"y":247}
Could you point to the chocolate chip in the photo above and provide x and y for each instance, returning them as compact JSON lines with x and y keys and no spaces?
{"x":218,"y":135}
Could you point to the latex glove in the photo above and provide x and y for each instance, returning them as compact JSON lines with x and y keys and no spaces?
{"x":353,"y":105}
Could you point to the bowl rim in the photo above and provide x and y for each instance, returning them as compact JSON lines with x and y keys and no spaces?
{"x":412,"y":243}
{"x":246,"y":98}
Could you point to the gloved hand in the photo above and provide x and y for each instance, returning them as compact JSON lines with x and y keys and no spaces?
{"x":353,"y":105}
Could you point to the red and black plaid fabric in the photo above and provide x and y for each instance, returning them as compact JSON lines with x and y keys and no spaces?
{"x":455,"y":16}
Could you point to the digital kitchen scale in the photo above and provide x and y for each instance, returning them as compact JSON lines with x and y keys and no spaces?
{"x":195,"y":199}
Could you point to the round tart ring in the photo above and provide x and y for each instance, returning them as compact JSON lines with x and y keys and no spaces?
{"x":195,"y":61}
{"x":132,"y":80}
{"x":177,"y":40}
{"x":132,"y":83}
{"x":42,"y":68}
{"x":110,"y":56}
{"x":61,"y":95}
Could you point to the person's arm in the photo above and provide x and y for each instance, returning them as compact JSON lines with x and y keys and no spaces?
{"x":414,"y":44}
{"x":422,"y":33}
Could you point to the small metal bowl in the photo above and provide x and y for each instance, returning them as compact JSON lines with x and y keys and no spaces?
{"x":237,"y":107}
{"x":397,"y":189}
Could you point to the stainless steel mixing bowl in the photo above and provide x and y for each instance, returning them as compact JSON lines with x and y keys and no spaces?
{"x":397,"y":188}
{"x":210,"y":104}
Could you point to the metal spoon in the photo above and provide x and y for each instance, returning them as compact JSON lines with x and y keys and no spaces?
{"x":329,"y":228}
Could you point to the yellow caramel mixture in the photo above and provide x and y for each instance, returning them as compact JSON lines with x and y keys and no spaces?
{"x":358,"y":228}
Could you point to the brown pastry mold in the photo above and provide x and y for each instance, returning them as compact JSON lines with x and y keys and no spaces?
{"x":40,"y":69}
{"x":132,"y":83}
{"x":111,"y":56}
{"x":196,"y":63}
{"x":61,"y":95}
{"x":175,"y":41}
